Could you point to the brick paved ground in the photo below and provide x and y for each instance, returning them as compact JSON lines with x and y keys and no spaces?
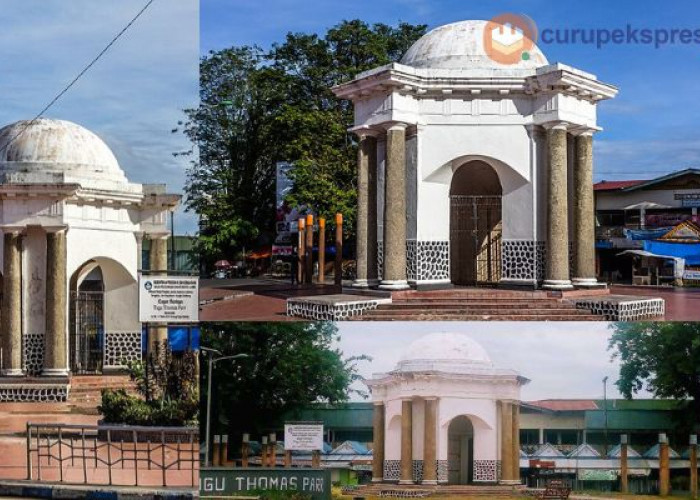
{"x":265,"y":300}
{"x":81,"y":410}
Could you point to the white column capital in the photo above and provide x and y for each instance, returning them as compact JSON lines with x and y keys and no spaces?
{"x":158,"y":236}
{"x":557,"y":125}
{"x":396,"y":126}
{"x":584,"y":131}
{"x":364,"y":131}
{"x":139,"y":236}
{"x":16,"y":230}
{"x":55,"y":229}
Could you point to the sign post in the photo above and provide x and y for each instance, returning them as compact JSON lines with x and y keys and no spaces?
{"x":220,"y":482}
{"x":303,"y":436}
{"x":168,"y":299}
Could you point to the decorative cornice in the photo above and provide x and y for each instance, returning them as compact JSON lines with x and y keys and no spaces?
{"x":557,"y":79}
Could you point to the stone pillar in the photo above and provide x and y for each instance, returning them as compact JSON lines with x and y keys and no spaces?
{"x":394,"y":272}
{"x":515,"y":408}
{"x":245,"y":450}
{"x":139,"y":250}
{"x":557,"y":268}
{"x":624,"y":469}
{"x":584,"y":212}
{"x":664,"y":467}
{"x":11,"y":315}
{"x":372,"y":236}
{"x":309,"y":246}
{"x":321,"y":250}
{"x":55,"y":341}
{"x":366,"y":155}
{"x":406,"y":442}
{"x":506,"y":442}
{"x":378,"y":440}
{"x":430,"y":442}
{"x":694,"y":466}
{"x":158,"y":332}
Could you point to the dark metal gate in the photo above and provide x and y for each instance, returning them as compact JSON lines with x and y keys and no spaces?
{"x":475,"y":240}
{"x":87,"y":332}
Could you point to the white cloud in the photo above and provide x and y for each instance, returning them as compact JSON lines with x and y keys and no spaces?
{"x":132,"y":97}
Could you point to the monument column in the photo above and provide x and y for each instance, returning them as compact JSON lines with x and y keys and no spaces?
{"x":139,"y":250}
{"x":372,"y":236}
{"x":506,"y":442}
{"x":557,"y":268}
{"x":394,"y":272}
{"x":55,"y":341}
{"x":366,"y":156}
{"x":430,"y":442}
{"x":664,"y":467}
{"x":158,"y":255}
{"x":515,"y":433}
{"x":11,"y":319}
{"x":584,"y":211}
{"x":406,"y":442}
{"x":378,"y":442}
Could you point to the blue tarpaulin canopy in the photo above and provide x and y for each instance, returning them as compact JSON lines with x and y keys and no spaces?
{"x":180,"y":338}
{"x":688,"y":251}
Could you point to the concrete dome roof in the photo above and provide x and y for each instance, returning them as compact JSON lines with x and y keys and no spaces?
{"x":460,"y":45}
{"x":448,"y":352}
{"x":59,"y":148}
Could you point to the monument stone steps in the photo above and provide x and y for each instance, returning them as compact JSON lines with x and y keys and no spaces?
{"x":389,"y":490}
{"x":475,"y":317}
{"x":465,"y":293}
{"x":491,"y":310}
{"x":475,"y":304}
{"x":86,"y":390}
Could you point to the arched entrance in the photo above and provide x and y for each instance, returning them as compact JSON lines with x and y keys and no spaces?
{"x":87,"y":319}
{"x":460,"y":451}
{"x":475,"y":225}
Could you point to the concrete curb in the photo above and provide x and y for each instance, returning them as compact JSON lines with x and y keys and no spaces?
{"x":34,"y":489}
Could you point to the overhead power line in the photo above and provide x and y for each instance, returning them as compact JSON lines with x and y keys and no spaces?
{"x":75,"y":80}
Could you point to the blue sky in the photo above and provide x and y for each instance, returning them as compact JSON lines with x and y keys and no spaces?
{"x":562,"y":360}
{"x":131,"y":98}
{"x":650,"y":128}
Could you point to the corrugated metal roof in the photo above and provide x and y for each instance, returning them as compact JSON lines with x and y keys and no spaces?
{"x":615,"y":185}
{"x":565,"y":404}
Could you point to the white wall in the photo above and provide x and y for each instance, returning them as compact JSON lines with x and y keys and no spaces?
{"x":483,"y":415}
{"x":445,"y":148}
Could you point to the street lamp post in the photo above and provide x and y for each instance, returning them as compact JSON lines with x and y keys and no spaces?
{"x":212,"y":361}
{"x":605,"y":412}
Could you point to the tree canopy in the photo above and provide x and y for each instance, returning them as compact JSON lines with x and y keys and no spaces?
{"x":259,"y":107}
{"x":290,"y":365}
{"x":662,"y":358}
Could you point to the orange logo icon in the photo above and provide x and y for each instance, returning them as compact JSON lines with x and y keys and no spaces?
{"x":509,"y":38}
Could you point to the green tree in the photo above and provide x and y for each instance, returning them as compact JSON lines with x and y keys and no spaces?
{"x":290,"y":365}
{"x":662,"y":358}
{"x":166,"y":392}
{"x":260,"y":107}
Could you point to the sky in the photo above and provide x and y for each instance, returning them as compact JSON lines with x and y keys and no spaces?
{"x":650,"y":128}
{"x":132,"y":98}
{"x":562,"y":360}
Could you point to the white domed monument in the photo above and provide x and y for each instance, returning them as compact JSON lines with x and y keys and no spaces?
{"x":446,"y":415}
{"x":72,"y":227}
{"x":474,"y":169}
